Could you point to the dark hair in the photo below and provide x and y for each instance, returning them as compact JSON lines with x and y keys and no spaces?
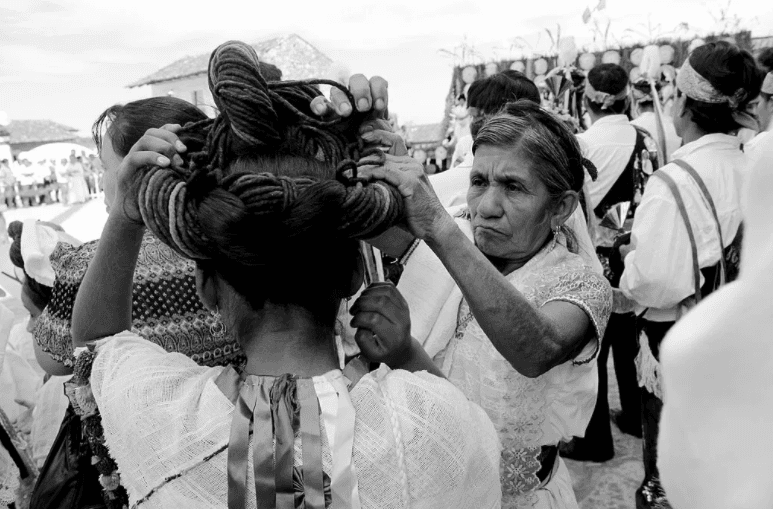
{"x":270,"y":200}
{"x":612,"y":79}
{"x":270,"y":72}
{"x":491,"y":94}
{"x":38,"y":293}
{"x":545,"y":140}
{"x":728,"y":69}
{"x":766,"y":59}
{"x":126,"y":123}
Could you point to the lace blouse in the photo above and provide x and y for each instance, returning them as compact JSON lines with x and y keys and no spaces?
{"x":417,"y":440}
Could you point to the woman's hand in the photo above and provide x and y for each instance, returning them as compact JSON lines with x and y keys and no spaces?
{"x":157,"y":147}
{"x":383,"y":324}
{"x":379,"y":133}
{"x":427,"y":219}
{"x":368,"y":95}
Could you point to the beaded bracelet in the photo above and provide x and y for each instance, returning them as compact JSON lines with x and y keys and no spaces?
{"x":408,"y":252}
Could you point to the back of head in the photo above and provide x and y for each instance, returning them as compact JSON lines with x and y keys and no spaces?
{"x":490,"y":95}
{"x":607,"y":89}
{"x":766,"y":59}
{"x":719,"y":80}
{"x":128,"y":122}
{"x":270,"y":202}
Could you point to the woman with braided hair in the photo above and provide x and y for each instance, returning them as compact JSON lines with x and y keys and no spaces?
{"x":271,"y":210}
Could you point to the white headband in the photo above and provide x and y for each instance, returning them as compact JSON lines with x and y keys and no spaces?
{"x":698,"y":88}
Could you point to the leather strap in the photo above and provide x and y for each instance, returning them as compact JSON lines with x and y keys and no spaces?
{"x":702,"y":185}
{"x":669,"y":181}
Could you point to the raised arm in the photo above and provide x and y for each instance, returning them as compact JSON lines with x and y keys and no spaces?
{"x":103,"y":306}
{"x":532,"y":340}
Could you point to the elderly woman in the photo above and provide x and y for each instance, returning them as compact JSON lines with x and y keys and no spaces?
{"x":520,"y":335}
{"x":290,"y":430}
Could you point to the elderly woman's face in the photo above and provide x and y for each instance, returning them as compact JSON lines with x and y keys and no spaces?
{"x":509,"y":205}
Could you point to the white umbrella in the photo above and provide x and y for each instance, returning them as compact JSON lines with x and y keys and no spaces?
{"x":56,"y":151}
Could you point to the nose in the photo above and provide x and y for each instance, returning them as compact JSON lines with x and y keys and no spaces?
{"x":31,"y":324}
{"x":490,"y":205}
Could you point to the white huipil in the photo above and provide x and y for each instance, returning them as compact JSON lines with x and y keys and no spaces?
{"x":716,"y":447}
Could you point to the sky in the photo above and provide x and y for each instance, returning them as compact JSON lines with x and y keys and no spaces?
{"x":68,"y":60}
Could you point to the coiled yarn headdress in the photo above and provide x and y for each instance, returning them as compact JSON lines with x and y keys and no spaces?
{"x":216,"y":208}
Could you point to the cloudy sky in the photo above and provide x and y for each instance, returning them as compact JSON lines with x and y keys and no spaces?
{"x":66,"y":60}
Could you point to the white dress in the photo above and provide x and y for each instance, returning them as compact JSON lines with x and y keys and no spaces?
{"x":77,"y":190}
{"x":527,"y":413}
{"x":417,"y":440}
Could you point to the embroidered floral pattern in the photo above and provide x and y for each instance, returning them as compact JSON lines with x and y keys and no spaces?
{"x":517,"y":405}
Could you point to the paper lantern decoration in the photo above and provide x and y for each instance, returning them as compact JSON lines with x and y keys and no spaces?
{"x":420,"y":156}
{"x":469,"y":74}
{"x":491,"y":69}
{"x":540,"y":66}
{"x":518,"y":66}
{"x":636,"y":56}
{"x":567,"y":52}
{"x":696,"y":43}
{"x":587,"y":61}
{"x":441,"y":154}
{"x":668,"y":71}
{"x":666,"y":54}
{"x":540,"y":81}
{"x":635,"y":74}
{"x":611,"y":57}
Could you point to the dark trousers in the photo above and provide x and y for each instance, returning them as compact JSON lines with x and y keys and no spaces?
{"x":651,"y":405}
{"x":620,"y":337}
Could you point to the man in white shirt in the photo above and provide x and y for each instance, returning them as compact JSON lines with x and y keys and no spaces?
{"x":612,"y":145}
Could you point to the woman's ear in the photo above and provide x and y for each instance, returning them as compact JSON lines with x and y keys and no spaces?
{"x":207,"y":287}
{"x":565,"y":208}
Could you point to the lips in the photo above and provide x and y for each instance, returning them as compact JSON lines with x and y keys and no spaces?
{"x":488,"y":230}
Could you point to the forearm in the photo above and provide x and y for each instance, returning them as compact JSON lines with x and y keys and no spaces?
{"x":516,"y":329}
{"x":393,"y":242}
{"x":103,"y":306}
{"x":417,"y":359}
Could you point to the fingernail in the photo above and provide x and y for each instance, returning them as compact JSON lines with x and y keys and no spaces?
{"x":363,"y":104}
{"x":319,"y":109}
{"x":180,"y":146}
{"x":379,"y":104}
{"x":345,"y":109}
{"x":369,"y":136}
{"x":163,"y":161}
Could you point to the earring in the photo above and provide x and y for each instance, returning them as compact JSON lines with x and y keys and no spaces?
{"x":556,"y":232}
{"x":218,"y":329}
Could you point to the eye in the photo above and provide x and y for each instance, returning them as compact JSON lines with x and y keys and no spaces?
{"x":477,"y":182}
{"x":514,"y":187}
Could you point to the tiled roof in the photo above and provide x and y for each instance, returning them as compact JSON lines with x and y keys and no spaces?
{"x":424,"y":133}
{"x":293,"y":55}
{"x":34,"y":131}
{"x":760,"y":43}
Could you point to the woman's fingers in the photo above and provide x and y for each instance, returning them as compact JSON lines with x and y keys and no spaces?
{"x":368,"y":95}
{"x":136,"y":160}
{"x":387,"y":139}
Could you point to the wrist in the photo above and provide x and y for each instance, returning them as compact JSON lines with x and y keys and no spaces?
{"x":443,"y":229}
{"x":119,"y":218}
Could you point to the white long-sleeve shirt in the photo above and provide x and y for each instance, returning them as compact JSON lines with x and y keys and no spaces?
{"x":658,"y":271}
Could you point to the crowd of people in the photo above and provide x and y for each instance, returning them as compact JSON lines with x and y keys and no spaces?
{"x":70,"y":180}
{"x":234,"y":338}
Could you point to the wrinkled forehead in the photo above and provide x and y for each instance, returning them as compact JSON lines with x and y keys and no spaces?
{"x":502,"y":163}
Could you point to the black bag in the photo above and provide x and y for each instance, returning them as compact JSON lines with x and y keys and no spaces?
{"x":67,"y":479}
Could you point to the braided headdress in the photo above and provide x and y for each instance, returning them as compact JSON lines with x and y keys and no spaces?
{"x":218,"y":196}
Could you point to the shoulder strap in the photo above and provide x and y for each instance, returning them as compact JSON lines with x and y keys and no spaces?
{"x":702,"y":185}
{"x":669,"y":181}
{"x":354,"y":370}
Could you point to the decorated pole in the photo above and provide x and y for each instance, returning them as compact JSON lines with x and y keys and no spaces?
{"x":650,"y":68}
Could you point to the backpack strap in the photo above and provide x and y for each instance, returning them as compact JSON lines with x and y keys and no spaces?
{"x":702,"y":185}
{"x":669,"y":181}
